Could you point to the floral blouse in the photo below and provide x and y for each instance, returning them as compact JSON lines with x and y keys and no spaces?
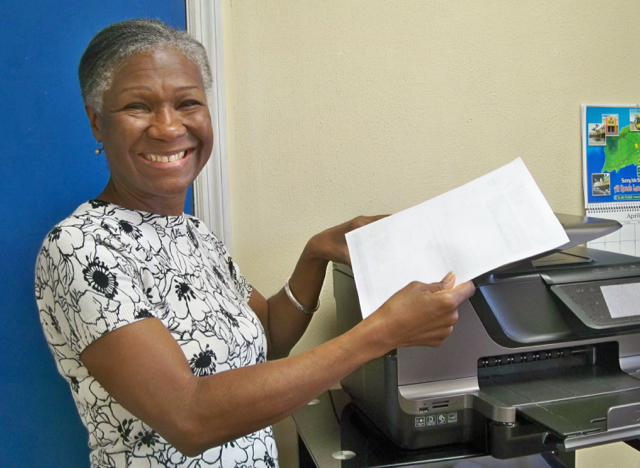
{"x":105,"y":267}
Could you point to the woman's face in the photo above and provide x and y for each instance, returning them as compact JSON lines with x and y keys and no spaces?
{"x":156,"y":130}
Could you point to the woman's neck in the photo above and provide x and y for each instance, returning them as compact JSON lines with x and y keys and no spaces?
{"x":165,"y":206}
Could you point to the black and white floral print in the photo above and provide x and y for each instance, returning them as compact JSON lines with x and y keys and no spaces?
{"x":105,"y":267}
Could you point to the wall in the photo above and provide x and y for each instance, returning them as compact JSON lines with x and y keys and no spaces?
{"x":348,"y":107}
{"x":48,"y":168}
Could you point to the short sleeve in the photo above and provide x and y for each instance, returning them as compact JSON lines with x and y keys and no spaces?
{"x":86,"y":286}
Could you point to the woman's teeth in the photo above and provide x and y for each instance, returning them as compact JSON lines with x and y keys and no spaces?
{"x":164,"y":159}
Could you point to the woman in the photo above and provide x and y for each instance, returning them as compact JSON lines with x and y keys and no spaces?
{"x":172,"y":357}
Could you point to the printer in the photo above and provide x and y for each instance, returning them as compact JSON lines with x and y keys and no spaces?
{"x":536,"y":363}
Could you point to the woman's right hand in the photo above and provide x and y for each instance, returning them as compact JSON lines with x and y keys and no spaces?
{"x":420,"y":314}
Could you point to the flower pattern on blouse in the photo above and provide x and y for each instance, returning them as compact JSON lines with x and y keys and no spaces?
{"x":105,"y":267}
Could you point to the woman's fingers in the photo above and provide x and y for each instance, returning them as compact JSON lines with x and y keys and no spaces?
{"x":424,"y":314}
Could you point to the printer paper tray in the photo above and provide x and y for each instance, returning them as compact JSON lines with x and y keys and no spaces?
{"x":583,"y":422}
{"x":581,"y":407}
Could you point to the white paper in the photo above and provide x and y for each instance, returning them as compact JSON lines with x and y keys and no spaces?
{"x":495,"y":220}
{"x":622,"y":299}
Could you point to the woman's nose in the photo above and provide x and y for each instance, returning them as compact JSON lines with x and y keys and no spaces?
{"x":167,"y":124}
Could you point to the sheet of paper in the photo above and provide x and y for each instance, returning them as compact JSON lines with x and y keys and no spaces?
{"x":495,"y":220}
{"x":622,"y":299}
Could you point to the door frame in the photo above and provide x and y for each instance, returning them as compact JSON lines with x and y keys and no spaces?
{"x":211,"y":187}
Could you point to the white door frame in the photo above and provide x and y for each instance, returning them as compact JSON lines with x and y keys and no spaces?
{"x":211,"y":188}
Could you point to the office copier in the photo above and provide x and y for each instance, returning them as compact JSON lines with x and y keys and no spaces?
{"x":536,"y":362}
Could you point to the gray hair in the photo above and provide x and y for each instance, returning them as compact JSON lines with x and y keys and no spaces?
{"x":119,"y":41}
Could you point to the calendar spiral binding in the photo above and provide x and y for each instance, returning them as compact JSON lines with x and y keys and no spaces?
{"x":612,"y":207}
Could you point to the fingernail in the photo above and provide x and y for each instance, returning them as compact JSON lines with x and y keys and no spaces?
{"x":449,"y":277}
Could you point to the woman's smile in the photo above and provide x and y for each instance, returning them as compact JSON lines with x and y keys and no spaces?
{"x":164,"y":159}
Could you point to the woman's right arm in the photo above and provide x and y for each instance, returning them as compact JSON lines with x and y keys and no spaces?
{"x":144,"y":369}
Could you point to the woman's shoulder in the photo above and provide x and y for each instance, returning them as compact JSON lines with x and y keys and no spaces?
{"x":211,"y":239}
{"x":198,"y":224}
{"x":72,"y":225}
{"x":91,"y":211}
{"x":91,"y":220}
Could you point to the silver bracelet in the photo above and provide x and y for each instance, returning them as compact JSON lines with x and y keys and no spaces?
{"x":295,"y":302}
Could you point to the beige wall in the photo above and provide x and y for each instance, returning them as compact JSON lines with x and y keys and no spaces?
{"x":345,"y":107}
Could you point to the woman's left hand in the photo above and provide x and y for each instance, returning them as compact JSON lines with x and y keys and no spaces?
{"x":331,"y":244}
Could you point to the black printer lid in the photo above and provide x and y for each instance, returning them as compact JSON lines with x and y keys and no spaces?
{"x":579,"y":230}
{"x":582,"y":229}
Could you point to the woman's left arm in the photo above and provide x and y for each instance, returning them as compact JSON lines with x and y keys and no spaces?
{"x":284,"y":323}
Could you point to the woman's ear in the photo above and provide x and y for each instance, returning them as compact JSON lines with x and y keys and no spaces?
{"x":94,"y":121}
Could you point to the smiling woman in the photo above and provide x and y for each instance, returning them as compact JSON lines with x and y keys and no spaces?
{"x":173,"y":359}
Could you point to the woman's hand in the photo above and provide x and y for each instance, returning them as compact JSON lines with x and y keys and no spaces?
{"x":331,"y":244}
{"x":420,"y":314}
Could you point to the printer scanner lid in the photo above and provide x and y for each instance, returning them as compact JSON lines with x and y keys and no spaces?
{"x":579,"y":230}
{"x":563,"y":290}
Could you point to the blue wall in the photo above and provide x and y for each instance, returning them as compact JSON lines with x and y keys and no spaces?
{"x":48,"y":167}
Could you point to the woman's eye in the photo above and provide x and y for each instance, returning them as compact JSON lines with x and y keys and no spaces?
{"x":189,"y":103}
{"x":135,"y":106}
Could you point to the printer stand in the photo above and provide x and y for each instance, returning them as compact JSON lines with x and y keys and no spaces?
{"x":332,"y":433}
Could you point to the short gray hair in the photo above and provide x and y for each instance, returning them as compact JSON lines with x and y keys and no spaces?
{"x":119,"y":41}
